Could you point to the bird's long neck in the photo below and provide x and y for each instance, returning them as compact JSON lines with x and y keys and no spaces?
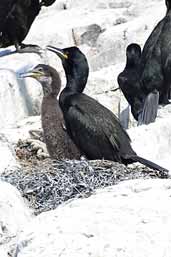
{"x":73,"y":87}
{"x":132,"y":63}
{"x":76,"y":83}
{"x":51,"y":86}
{"x":76,"y":79}
{"x":168,"y":5}
{"x":65,"y":98}
{"x":168,"y":12}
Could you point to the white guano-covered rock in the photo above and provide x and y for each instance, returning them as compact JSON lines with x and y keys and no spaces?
{"x":101,"y":29}
{"x":153,"y":141}
{"x":132,"y":219}
{"x":14,"y":215}
{"x":7,"y":154}
{"x":9,"y":138}
{"x":18,"y":98}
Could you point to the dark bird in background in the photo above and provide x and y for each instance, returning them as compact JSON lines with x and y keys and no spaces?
{"x":16,"y":18}
{"x":94,"y":129}
{"x":147,"y":82}
{"x":59,"y":144}
{"x":143,"y":107}
{"x":155,"y":70}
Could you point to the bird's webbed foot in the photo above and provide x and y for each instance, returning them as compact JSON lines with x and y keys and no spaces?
{"x":39,"y":147}
{"x":36,"y":134}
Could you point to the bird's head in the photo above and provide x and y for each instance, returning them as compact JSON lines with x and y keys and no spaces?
{"x":47,"y":76}
{"x":75,"y":65}
{"x":133,"y":53}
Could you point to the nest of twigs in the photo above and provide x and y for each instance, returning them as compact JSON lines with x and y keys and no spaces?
{"x":49,"y":183}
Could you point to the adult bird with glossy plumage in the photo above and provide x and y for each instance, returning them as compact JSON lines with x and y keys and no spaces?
{"x":94,"y":129}
{"x":156,"y":59}
{"x":143,"y":106}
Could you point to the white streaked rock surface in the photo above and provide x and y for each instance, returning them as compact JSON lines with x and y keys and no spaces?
{"x":14,"y":215}
{"x":132,"y":219}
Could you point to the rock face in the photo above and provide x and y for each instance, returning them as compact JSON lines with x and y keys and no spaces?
{"x":18,"y":99}
{"x":102,"y":29}
{"x":132,"y":219}
{"x":87,"y":35}
{"x":153,"y":141}
{"x":7,"y":154}
{"x":14,"y":215}
{"x":9,"y":138}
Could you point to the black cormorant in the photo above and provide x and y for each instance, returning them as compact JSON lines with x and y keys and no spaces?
{"x":94,"y":129}
{"x":156,"y":59}
{"x":59,"y":144}
{"x":143,"y":107}
{"x":16,"y":18}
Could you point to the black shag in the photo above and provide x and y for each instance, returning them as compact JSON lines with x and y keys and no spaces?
{"x":143,"y":107}
{"x":156,"y":59}
{"x":16,"y":18}
{"x":95,"y":130}
{"x":128,"y":80}
{"x":59,"y":144}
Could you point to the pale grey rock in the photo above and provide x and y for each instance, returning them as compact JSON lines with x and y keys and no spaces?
{"x":3,"y":251}
{"x":164,"y":111}
{"x":100,"y":86}
{"x":21,"y":130}
{"x":9,"y":138}
{"x":132,"y":219}
{"x":113,"y":25}
{"x":87,"y":35}
{"x":58,"y":29}
{"x":7,"y":153}
{"x":120,"y":4}
{"x":124,"y":113}
{"x":139,"y":8}
{"x":110,"y":101}
{"x":11,"y":104}
{"x":19,"y":98}
{"x":120,"y":20}
{"x":153,"y":141}
{"x":112,"y":43}
{"x":98,"y":4}
{"x":102,"y":81}
{"x":14,"y":215}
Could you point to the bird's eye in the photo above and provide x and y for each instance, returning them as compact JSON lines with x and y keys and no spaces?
{"x":40,"y":69}
{"x":67,"y":53}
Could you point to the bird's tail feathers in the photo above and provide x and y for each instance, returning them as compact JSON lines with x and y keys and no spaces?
{"x":149,"y":112}
{"x":163,"y":172}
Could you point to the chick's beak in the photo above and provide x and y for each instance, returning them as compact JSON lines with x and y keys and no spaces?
{"x":32,"y":74}
{"x":60,"y":52}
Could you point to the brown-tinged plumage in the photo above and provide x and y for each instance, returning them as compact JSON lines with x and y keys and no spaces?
{"x":59,"y":144}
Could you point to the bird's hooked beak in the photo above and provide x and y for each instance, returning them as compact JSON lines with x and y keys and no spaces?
{"x":60,"y":52}
{"x":42,"y":3}
{"x":47,"y":2}
{"x":32,"y":74}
